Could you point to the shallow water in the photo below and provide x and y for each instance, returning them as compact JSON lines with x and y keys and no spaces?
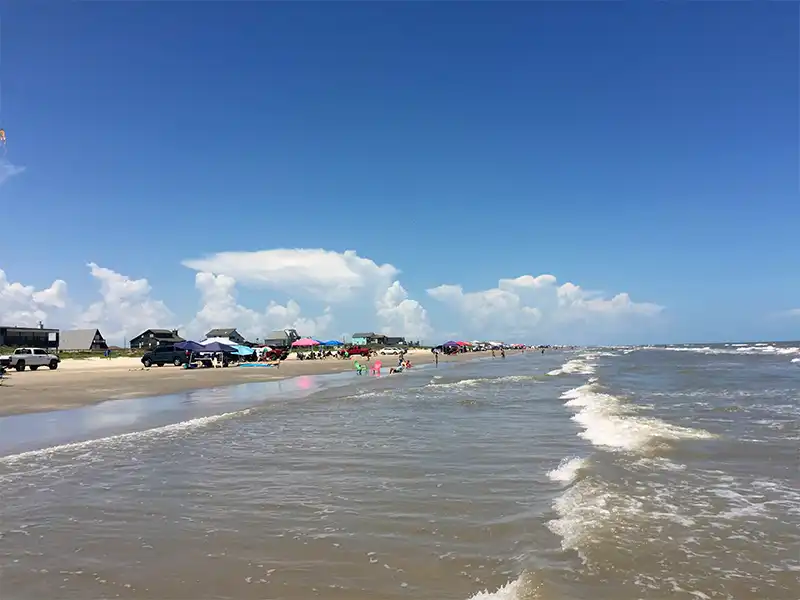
{"x":606,"y":473}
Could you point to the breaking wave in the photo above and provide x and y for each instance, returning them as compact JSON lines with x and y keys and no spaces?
{"x":608,"y":422}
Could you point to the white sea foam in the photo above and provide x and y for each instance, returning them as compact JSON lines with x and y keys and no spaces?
{"x":608,"y":422}
{"x":134,"y":436}
{"x":526,"y":587}
{"x":509,"y":591}
{"x":466,"y":383}
{"x":568,"y":469}
{"x":587,"y":509}
{"x":575,"y":366}
{"x":736,"y":349}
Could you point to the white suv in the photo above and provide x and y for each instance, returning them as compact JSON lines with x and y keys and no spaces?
{"x":33,"y":358}
{"x":391,"y":350}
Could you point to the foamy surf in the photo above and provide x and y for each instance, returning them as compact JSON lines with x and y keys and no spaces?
{"x":568,"y":469}
{"x":608,"y":422}
{"x":508,"y":592}
{"x":575,"y":366}
{"x":528,"y":586}
{"x":133,"y":436}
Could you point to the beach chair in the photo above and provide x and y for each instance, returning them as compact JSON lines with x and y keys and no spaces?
{"x":376,"y":368}
{"x":360,"y":369}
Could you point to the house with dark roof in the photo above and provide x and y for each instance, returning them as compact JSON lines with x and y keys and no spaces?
{"x":229,"y":333}
{"x":156,"y":337}
{"x":33,"y":337}
{"x":395,"y":341}
{"x":81,"y":339}
{"x":281,"y":338}
{"x":369,"y":338}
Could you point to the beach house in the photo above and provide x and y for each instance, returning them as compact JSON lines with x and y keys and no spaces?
{"x":152,"y":338}
{"x":33,"y":337}
{"x":281,"y":338}
{"x":228,"y":333}
{"x":369,"y":338}
{"x":81,"y":339}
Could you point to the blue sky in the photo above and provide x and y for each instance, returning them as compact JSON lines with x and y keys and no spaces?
{"x":642,"y":149}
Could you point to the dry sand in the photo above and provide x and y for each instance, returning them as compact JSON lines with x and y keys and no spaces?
{"x":80,"y":382}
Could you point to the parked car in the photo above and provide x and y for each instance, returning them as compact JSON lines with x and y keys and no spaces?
{"x":33,"y":358}
{"x":391,"y":350}
{"x":162,"y":355}
{"x":359,"y":351}
{"x":276,"y":354}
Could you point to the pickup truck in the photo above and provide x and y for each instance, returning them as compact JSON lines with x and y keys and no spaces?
{"x":162,"y":355}
{"x":359,"y":351}
{"x":33,"y":358}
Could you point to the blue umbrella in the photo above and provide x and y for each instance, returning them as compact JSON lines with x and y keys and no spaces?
{"x":332,"y":343}
{"x":243,"y":350}
{"x":217,"y":347}
{"x":190,"y":346}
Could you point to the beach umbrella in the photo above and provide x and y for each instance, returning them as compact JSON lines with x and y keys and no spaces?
{"x":305,"y":343}
{"x":217,"y":347}
{"x":243,"y":350}
{"x":190,"y":346}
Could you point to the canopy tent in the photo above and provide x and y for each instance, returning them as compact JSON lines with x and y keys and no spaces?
{"x":190,"y":346}
{"x":217,"y":347}
{"x":217,"y":340}
{"x":304,"y":343}
{"x":332,"y":343}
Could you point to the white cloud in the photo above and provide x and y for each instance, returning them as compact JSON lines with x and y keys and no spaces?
{"x":125,"y":307}
{"x":527,"y":305}
{"x":793,"y":312}
{"x":323,"y":275}
{"x":398,"y":313}
{"x":25,"y":306}
{"x":366,"y":296}
{"x":7,"y":170}
{"x":329,"y":275}
{"x":220,"y":308}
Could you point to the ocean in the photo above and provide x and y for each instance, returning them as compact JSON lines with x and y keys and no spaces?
{"x":602,"y":473}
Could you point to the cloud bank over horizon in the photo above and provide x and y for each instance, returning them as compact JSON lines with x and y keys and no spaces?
{"x":526,"y":308}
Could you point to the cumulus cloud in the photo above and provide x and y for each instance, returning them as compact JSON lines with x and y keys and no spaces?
{"x":323,"y":275}
{"x":220,"y":308}
{"x":24,"y":305}
{"x":524,"y":308}
{"x":398,"y":313}
{"x":125,"y":307}
{"x":529,"y":304}
{"x":7,"y":170}
{"x":329,"y":275}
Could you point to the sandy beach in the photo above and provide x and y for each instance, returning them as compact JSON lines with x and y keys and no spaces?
{"x":79,"y":382}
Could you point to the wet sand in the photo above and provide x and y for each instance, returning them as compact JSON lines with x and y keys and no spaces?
{"x":82,"y":382}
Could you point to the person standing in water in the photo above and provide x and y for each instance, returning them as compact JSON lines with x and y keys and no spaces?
{"x":502,"y":352}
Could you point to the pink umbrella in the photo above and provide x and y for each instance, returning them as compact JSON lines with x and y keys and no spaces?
{"x":304,"y":342}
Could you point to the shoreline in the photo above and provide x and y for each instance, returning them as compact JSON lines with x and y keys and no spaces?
{"x":83,"y":383}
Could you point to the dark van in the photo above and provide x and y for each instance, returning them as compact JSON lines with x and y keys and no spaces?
{"x":163,"y":355}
